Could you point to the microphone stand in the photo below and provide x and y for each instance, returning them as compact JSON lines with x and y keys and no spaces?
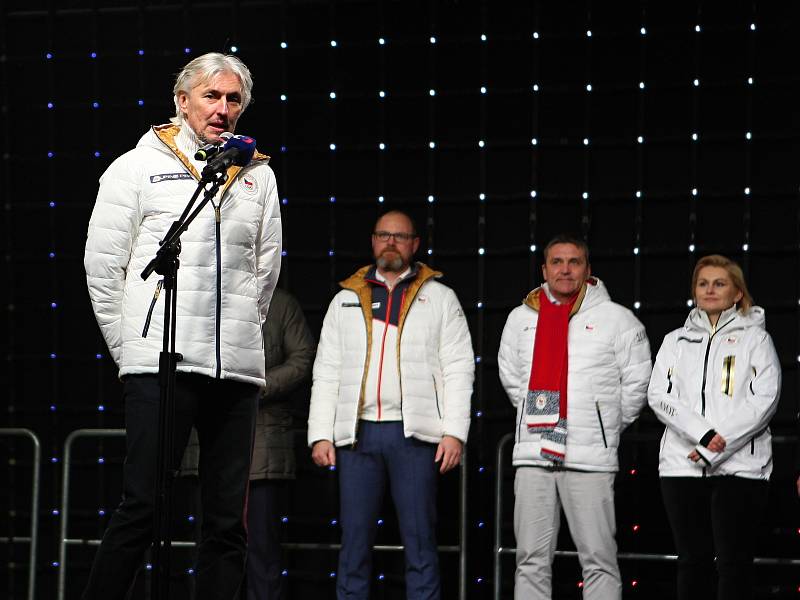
{"x":166,"y":263}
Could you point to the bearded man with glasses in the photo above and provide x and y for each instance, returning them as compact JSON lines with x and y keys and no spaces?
{"x":391,"y":403}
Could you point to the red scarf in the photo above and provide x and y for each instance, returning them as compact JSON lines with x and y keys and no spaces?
{"x":546,"y":404}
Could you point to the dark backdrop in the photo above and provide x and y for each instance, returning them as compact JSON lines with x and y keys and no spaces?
{"x":661,"y":131}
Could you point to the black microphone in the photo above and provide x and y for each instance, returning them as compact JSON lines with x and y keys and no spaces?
{"x":238,"y":150}
{"x":206,"y":152}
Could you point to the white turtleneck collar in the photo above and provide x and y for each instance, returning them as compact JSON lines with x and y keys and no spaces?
{"x":188,"y":143}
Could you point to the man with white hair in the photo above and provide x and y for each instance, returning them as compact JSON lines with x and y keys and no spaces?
{"x":229,"y":266}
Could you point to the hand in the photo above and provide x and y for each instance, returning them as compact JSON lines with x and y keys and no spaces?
{"x":323,"y":454}
{"x":449,"y":452}
{"x":694,"y":456}
{"x":717,"y":443}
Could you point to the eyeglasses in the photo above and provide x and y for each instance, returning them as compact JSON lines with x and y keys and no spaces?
{"x":402,"y":237}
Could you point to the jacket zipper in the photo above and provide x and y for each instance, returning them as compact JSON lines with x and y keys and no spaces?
{"x":383,"y":345}
{"x":218,"y":220}
{"x":159,"y":285}
{"x":752,"y":446}
{"x":600,"y":420}
{"x":714,"y":332}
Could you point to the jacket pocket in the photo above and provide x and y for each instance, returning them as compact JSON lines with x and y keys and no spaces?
{"x":600,"y":421}
{"x":436,"y":396}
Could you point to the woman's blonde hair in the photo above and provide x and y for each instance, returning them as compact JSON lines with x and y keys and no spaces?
{"x":734,"y":272}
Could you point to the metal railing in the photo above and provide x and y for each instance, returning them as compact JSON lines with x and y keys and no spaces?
{"x":499,"y":550}
{"x":64,"y":541}
{"x":34,"y":535}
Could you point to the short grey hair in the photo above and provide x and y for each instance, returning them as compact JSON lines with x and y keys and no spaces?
{"x":206,"y":67}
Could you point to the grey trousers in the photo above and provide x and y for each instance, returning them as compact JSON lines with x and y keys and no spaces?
{"x":588,"y":502}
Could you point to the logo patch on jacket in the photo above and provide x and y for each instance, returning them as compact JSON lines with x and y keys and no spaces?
{"x":731,"y":339}
{"x":351,"y":305}
{"x":589,"y":327}
{"x":248,"y":184}
{"x":422,"y":298}
{"x":169,"y":177}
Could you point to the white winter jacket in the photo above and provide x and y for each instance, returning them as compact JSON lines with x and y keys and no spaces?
{"x":609,"y":367}
{"x":727,"y":379}
{"x":436,"y":362}
{"x":228,"y":268}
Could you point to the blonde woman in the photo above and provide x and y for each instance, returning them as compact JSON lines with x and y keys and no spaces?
{"x":715,"y":385}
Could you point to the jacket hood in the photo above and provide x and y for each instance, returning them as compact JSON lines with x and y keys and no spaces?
{"x":592,"y":293}
{"x":731,"y":318}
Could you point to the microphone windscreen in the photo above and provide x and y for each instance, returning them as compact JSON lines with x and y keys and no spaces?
{"x":246,"y":147}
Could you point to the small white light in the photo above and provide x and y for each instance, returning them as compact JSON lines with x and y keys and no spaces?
{"x":689,"y":302}
{"x":691,"y":247}
{"x":332,"y":146}
{"x":481,"y":251}
{"x":535,"y":87}
{"x":234,"y":49}
{"x":641,"y":85}
{"x":585,"y":195}
{"x":638,"y":193}
{"x":745,"y":247}
{"x":479,"y":305}
{"x":637,"y":305}
{"x":640,"y":139}
{"x":483,"y":89}
{"x":748,"y":136}
{"x":430,"y":199}
{"x":643,"y":31}
{"x":380,"y":199}
{"x":588,"y":33}
{"x":433,"y":40}
{"x":536,"y":35}
{"x":483,"y":37}
{"x":481,"y":197}
{"x":333,"y":43}
{"x":534,"y":193}
{"x":696,"y":83}
{"x":430,"y":251}
{"x":749,"y":81}
{"x":283,"y":97}
{"x":697,"y":28}
{"x":382,"y":94}
{"x":382,"y":146}
{"x":694,"y":136}
{"x":381,"y":41}
{"x":747,"y":191}
{"x":534,"y":141}
{"x":588,"y":87}
{"x":585,"y":141}
{"x":481,"y":143}
{"x":694,"y":191}
{"x":636,"y":250}
{"x":752,"y":26}
{"x":284,"y":45}
{"x":533,"y":247}
{"x":431,"y":145}
{"x":332,"y":95}
{"x":431,"y":92}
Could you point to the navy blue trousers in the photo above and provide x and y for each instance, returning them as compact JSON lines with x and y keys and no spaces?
{"x":383,"y":455}
{"x":223,"y":412}
{"x":264,"y":540}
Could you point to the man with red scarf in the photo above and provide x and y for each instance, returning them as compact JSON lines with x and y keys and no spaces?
{"x":576,"y":366}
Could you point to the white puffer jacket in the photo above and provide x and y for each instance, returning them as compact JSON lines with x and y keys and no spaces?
{"x":226,"y":276}
{"x":435,"y":357}
{"x":727,"y":379}
{"x":609,"y":368}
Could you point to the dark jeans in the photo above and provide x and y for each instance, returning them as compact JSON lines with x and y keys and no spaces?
{"x":264,"y":581}
{"x":383,"y":453}
{"x":223,"y":412}
{"x":714,"y":516}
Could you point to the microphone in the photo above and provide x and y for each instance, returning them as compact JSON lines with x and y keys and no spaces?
{"x":238,"y":150}
{"x":206,"y":152}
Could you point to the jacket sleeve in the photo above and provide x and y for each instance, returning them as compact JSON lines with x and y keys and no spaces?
{"x":664,"y":396}
{"x":757,"y":408}
{"x":268,"y":246}
{"x":298,"y":350}
{"x":507,"y":361}
{"x":113,"y":227}
{"x":632,"y":351}
{"x":458,"y":368}
{"x":326,"y":376}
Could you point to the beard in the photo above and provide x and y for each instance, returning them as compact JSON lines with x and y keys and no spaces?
{"x":391,"y":261}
